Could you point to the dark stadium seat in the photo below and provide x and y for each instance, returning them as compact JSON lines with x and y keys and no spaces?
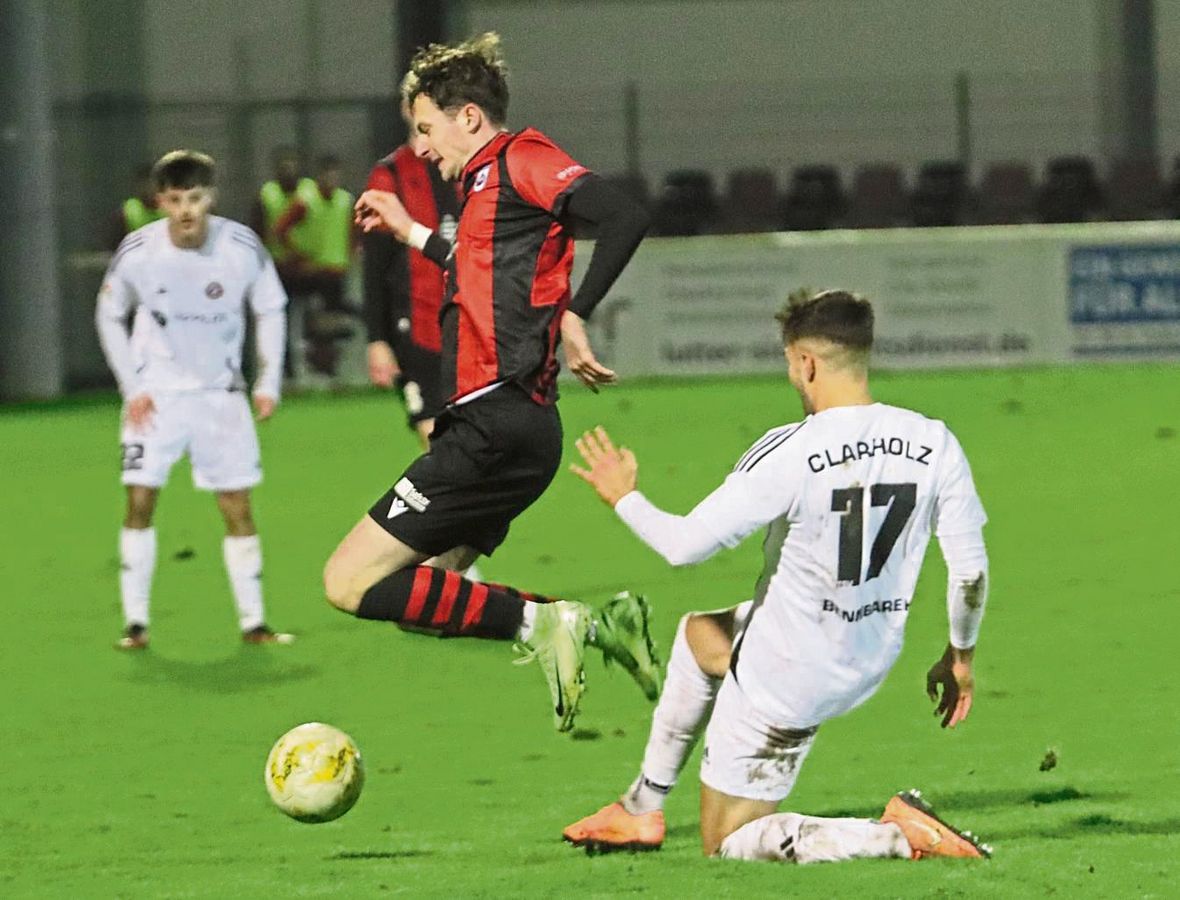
{"x":633,"y":184}
{"x":814,"y":200}
{"x":687,"y":204}
{"x":1135,"y":191}
{"x":878,"y":198}
{"x":1006,"y":195}
{"x":942,"y":195}
{"x":751,"y":201}
{"x":1070,"y":191}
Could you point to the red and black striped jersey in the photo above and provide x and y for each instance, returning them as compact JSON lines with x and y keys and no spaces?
{"x":509,"y":272}
{"x":403,"y":282}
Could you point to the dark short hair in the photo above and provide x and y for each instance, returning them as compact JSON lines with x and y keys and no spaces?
{"x":183,"y":169}
{"x":454,"y":75}
{"x":837,"y":316}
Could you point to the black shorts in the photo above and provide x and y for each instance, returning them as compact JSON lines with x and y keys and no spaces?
{"x":488,"y":461}
{"x":420,"y":382}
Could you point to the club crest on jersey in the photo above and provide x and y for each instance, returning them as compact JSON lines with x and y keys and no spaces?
{"x":481,"y":178}
{"x":213,"y":290}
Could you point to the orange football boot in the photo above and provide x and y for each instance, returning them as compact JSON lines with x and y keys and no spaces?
{"x":613,"y":828}
{"x":928,"y":835}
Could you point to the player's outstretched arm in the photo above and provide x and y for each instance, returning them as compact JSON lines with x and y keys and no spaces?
{"x":954,"y":675}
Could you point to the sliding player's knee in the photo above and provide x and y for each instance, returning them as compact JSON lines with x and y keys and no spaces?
{"x":709,"y":638}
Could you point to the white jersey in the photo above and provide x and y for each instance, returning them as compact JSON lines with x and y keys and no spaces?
{"x":851,"y":496}
{"x":189,"y":308}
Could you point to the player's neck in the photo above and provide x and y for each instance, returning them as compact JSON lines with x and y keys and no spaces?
{"x":842,"y":393}
{"x":194,"y":241}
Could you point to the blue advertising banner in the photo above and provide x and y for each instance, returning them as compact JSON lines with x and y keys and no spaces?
{"x":1125,"y":300}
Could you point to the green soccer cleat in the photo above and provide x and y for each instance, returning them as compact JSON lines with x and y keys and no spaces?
{"x":621,"y":633}
{"x":558,"y":644}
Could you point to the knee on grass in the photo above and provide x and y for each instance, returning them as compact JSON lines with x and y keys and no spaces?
{"x":340,"y":590}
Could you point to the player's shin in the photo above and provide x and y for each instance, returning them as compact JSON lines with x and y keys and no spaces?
{"x":137,"y":554}
{"x":790,"y":837}
{"x":243,"y":564}
{"x":676,"y":725}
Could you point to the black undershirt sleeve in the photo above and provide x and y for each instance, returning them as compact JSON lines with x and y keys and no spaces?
{"x":437,"y":249}
{"x":620,"y":224}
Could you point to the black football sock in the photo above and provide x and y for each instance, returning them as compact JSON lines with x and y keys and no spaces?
{"x":443,"y":602}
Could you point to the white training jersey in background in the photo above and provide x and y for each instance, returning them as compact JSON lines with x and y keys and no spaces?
{"x":188,"y":305}
{"x":851,"y":496}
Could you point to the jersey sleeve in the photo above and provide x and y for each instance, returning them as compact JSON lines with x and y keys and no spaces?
{"x":116,"y":301}
{"x":751,"y":497}
{"x":268,"y":300}
{"x":542,"y":173}
{"x":957,"y":507}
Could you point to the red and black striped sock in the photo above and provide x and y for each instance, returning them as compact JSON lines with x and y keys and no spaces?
{"x":424,"y":598}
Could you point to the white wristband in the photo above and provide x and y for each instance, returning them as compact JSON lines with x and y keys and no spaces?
{"x":418,"y":236}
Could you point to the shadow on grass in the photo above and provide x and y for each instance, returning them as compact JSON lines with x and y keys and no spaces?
{"x":378,"y":854}
{"x":951,"y":802}
{"x":249,"y":669}
{"x":1090,"y":826}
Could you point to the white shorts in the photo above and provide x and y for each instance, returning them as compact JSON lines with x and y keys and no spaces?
{"x":747,"y":756}
{"x":215,"y":429}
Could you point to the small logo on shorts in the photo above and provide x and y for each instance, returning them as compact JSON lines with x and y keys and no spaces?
{"x":414,"y":498}
{"x":213,"y":290}
{"x":396,"y":508}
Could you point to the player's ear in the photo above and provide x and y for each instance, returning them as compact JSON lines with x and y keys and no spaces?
{"x":472,"y":118}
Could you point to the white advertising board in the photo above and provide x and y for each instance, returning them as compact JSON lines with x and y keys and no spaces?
{"x":981,"y":296}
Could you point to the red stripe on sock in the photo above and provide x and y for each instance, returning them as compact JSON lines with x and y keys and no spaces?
{"x":451,"y":584}
{"x":479,"y":596}
{"x":418,"y":593}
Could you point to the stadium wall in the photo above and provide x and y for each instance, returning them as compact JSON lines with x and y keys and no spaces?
{"x":979,"y":297}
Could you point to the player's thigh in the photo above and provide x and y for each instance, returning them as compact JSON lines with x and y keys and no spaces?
{"x":367,"y":554}
{"x":150,"y":451}
{"x":224,"y":449}
{"x":747,"y":756}
{"x":723,"y":814}
{"x":711,"y":636}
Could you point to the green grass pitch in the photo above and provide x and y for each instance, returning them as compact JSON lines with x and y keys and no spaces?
{"x":141,"y":775}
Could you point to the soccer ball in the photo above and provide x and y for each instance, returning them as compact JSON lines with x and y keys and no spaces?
{"x":314,"y":773}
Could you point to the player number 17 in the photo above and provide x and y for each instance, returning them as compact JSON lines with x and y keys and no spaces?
{"x":849,"y":502}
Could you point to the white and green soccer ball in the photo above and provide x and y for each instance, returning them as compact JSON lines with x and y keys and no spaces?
{"x":314,"y":773}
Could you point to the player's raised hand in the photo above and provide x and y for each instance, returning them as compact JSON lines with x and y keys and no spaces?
{"x":382,"y":211}
{"x":140,"y":411}
{"x":383,"y":367}
{"x":953,"y":673}
{"x":612,"y":472}
{"x":579,"y":356}
{"x":264,"y":406}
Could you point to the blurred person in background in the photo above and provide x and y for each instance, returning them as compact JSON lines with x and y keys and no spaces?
{"x":137,"y":210}
{"x":404,"y":290}
{"x":185,"y":282}
{"x":316,"y":239}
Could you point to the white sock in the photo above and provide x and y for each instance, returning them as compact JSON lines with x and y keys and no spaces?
{"x":526,"y":623}
{"x":137,"y":555}
{"x":243,"y":562}
{"x":790,"y":837}
{"x":676,"y":724}
{"x":473,"y":573}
